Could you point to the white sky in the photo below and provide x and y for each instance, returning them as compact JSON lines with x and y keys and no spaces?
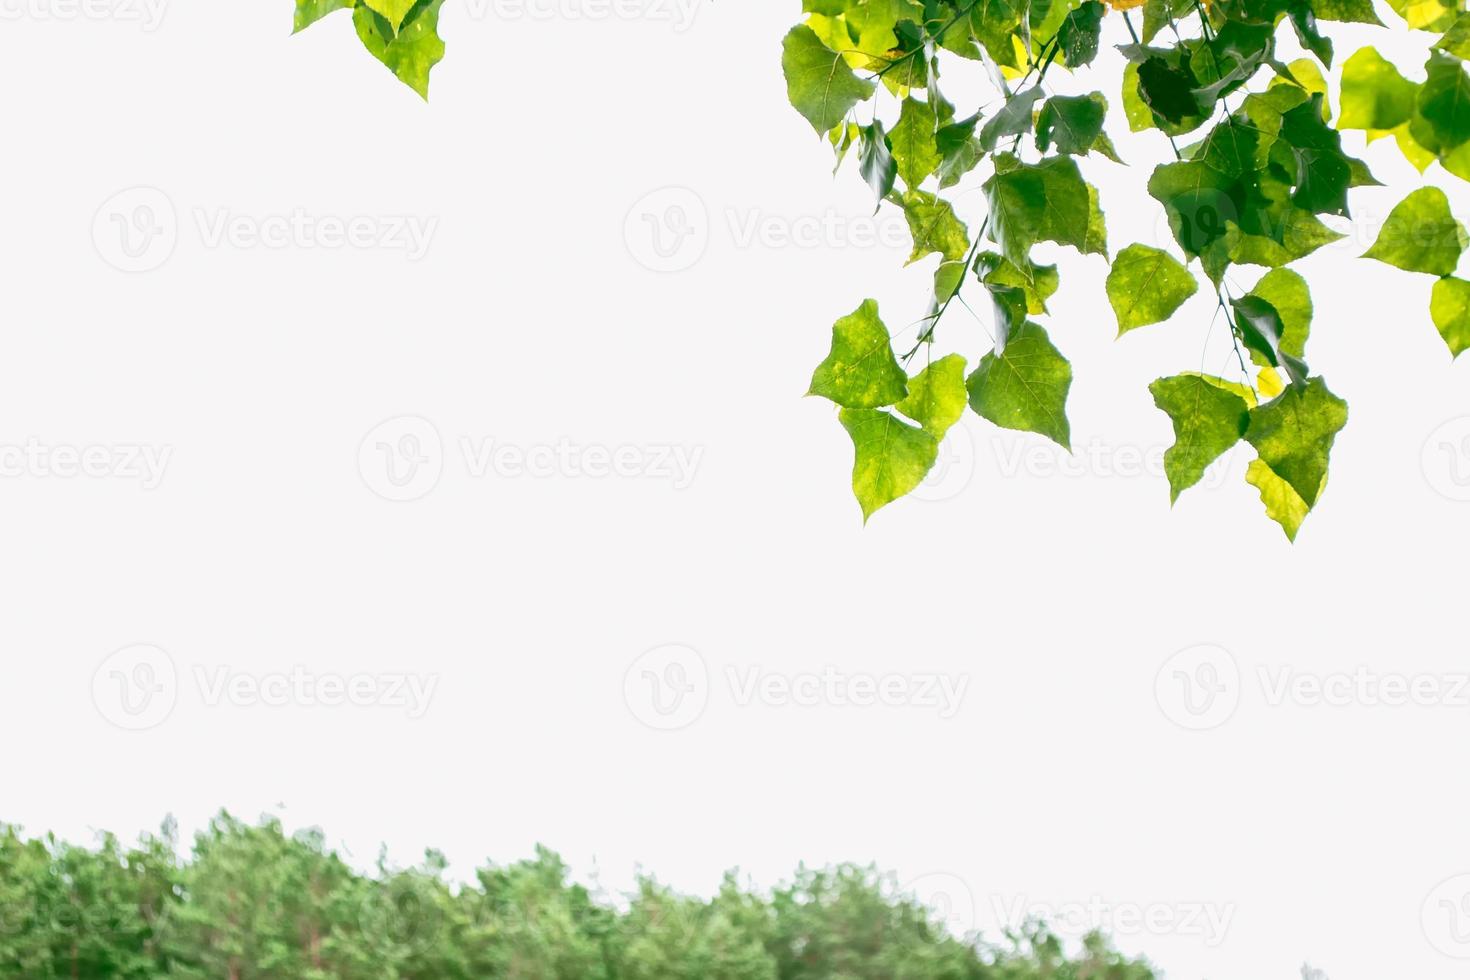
{"x":1050,"y":598}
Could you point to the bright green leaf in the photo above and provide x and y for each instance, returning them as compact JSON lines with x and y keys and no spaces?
{"x":1146,"y":285}
{"x":891,"y":458}
{"x":308,"y":12}
{"x":937,"y":395}
{"x":1294,"y":433}
{"x":1374,"y":94}
{"x":934,"y":227}
{"x":819,"y":82}
{"x":410,"y":53}
{"x":1421,"y":235}
{"x":1449,"y":306}
{"x":913,"y":141}
{"x":1025,"y":387}
{"x":1208,"y":419}
{"x":860,"y":371}
{"x":1041,"y":202}
{"x":1283,"y":504}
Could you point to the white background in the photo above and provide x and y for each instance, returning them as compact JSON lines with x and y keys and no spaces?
{"x":1058,"y":598}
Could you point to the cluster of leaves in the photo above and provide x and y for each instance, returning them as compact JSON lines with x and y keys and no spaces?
{"x":256,"y":904}
{"x":402,"y":34}
{"x":1261,"y":166}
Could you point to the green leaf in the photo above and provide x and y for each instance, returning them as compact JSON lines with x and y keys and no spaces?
{"x":1262,"y":329}
{"x":875,"y":160}
{"x":959,"y":151}
{"x":819,"y":82}
{"x":1304,"y":20}
{"x":994,"y":23}
{"x":860,"y":371}
{"x":1456,"y":40}
{"x":1421,"y":235}
{"x":1208,"y":419}
{"x":1079,"y":34}
{"x":934,"y":227}
{"x":410,"y":53}
{"x":393,"y":11}
{"x":1025,"y":387}
{"x":1295,"y":234}
{"x":1429,"y":15}
{"x":308,"y":12}
{"x":914,"y":144}
{"x":1288,"y":295}
{"x":1200,"y":202}
{"x":1038,"y":282}
{"x":1042,"y":202}
{"x":1374,"y":94}
{"x":1166,"y":90}
{"x":1013,"y":119}
{"x":1449,"y":307}
{"x":1323,"y":171}
{"x":1283,"y":504}
{"x":1146,"y":285}
{"x":1072,"y":122}
{"x":1157,"y":14}
{"x":1293,"y":434}
{"x":1442,"y":108}
{"x":937,"y":395}
{"x":1346,"y":11}
{"x":891,"y":458}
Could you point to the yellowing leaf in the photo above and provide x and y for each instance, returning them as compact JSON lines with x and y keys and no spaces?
{"x":1283,"y":504}
{"x":860,"y":371}
{"x":937,"y":395}
{"x":891,"y":458}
